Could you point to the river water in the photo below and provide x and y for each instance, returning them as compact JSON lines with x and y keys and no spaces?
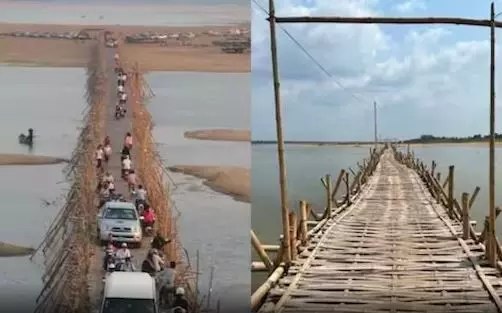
{"x":307,"y":164}
{"x":155,"y":13}
{"x":210,"y":222}
{"x":52,"y":107}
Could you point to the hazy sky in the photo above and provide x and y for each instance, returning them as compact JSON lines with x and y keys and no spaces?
{"x":426,"y":80}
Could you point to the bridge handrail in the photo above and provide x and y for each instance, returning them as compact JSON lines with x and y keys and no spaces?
{"x":300,"y":235}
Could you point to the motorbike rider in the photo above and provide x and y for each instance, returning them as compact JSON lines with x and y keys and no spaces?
{"x":148,"y":217}
{"x":108,"y":178}
{"x":153,"y":263}
{"x":123,"y":253}
{"x":179,"y":300}
{"x":109,"y":251}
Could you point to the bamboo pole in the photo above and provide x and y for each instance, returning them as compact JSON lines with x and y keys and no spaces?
{"x":347,"y":196}
{"x":303,"y":225}
{"x":280,"y":139}
{"x":451,"y":195}
{"x":389,"y":20}
{"x":293,"y":231}
{"x":491,"y":242}
{"x":261,"y":252}
{"x":326,"y":181}
{"x":261,"y":292}
{"x":465,"y":215}
{"x":337,"y":186}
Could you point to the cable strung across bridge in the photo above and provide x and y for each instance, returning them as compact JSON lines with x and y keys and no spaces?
{"x":395,"y":249}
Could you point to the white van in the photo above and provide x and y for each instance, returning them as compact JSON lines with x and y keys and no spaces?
{"x":129,"y":292}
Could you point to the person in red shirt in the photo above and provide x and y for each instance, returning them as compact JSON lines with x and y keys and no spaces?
{"x":148,"y":217}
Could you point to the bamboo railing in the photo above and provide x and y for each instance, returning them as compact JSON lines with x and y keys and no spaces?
{"x":306,"y":224}
{"x":152,"y":174}
{"x":444,"y":193}
{"x":66,"y":247}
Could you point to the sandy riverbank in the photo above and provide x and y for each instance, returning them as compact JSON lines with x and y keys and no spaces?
{"x":26,"y":159}
{"x":7,"y":250}
{"x":230,"y":180}
{"x":201,"y":56}
{"x":219,"y":134}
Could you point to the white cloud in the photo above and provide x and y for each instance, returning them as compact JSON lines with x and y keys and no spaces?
{"x":425,"y":80}
{"x":410,"y":5}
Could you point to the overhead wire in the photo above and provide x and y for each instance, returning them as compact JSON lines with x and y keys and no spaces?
{"x":357,"y":97}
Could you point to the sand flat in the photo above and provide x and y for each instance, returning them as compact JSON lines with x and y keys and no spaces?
{"x":202,"y":57}
{"x":219,"y":134}
{"x":231,"y":180}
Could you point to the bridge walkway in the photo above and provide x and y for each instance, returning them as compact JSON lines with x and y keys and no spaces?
{"x":393,"y":250}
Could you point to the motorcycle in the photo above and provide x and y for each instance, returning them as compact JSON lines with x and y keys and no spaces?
{"x":178,"y":309}
{"x":147,"y":229}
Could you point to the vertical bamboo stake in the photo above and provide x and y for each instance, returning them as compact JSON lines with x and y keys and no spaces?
{"x":465,"y":215}
{"x":347,"y":186}
{"x":451,"y":195}
{"x":293,"y":228}
{"x":304,"y":219}
{"x":280,"y":254}
{"x":280,"y":140}
{"x":329,"y":204}
{"x":491,"y":244}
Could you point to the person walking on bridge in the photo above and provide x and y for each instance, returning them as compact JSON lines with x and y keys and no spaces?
{"x":107,"y":149}
{"x":128,"y":141}
{"x":98,"y":155}
{"x":126,"y":166}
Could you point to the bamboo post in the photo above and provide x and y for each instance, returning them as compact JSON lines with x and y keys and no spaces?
{"x":280,"y":254}
{"x":474,"y":196}
{"x":465,"y":215}
{"x":326,"y":181}
{"x":433,"y":168}
{"x":347,"y":196}
{"x":293,"y":231}
{"x":451,"y":195}
{"x":337,"y":186}
{"x":491,"y":244}
{"x":304,"y":219}
{"x":261,"y":252}
{"x":280,"y":140}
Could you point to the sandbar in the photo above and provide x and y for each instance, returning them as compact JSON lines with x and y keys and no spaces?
{"x":231,"y":180}
{"x":201,"y":56}
{"x":9,"y":250}
{"x":27,"y":159}
{"x":219,"y":134}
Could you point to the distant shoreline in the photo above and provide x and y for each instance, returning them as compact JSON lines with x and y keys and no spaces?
{"x":371,"y":143}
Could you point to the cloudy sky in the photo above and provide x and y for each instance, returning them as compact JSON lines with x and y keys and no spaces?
{"x":426,"y":79}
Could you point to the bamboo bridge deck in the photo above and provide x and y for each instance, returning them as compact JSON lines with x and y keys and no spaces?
{"x":395,"y":249}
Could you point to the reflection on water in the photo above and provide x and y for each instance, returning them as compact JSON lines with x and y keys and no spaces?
{"x":212,"y":223}
{"x":50,"y":101}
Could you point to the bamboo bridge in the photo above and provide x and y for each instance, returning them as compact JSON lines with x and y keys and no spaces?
{"x":399,"y":241}
{"x":72,"y":278}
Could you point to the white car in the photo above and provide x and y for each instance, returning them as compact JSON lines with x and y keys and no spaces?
{"x":121,"y":220}
{"x":129,"y":292}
